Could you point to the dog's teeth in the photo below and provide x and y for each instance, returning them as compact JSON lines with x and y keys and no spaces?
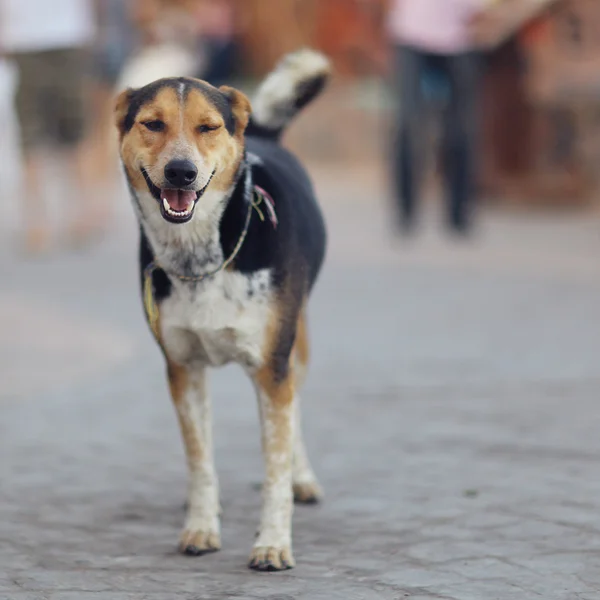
{"x":176,"y":213}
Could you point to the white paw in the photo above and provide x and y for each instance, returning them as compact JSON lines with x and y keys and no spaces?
{"x":197,"y":539}
{"x":307,"y":492}
{"x":271,"y":558}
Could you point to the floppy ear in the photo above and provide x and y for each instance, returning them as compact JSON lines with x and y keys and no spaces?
{"x":122,"y":108}
{"x":240,"y":106}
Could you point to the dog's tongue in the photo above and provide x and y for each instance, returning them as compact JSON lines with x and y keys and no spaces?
{"x":179,"y":200}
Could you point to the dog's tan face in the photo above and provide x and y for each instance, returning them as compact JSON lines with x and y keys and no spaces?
{"x":179,"y":138}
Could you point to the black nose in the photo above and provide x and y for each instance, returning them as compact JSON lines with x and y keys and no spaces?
{"x":181,"y":173}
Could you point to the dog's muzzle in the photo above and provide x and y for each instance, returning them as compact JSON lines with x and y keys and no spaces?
{"x":177,"y":203}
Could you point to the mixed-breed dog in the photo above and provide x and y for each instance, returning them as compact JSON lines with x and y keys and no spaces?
{"x":231,"y":243}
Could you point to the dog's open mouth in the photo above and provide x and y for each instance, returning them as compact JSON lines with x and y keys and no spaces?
{"x":176,"y":205}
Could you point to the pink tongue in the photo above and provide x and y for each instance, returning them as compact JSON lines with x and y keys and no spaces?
{"x":179,"y":200}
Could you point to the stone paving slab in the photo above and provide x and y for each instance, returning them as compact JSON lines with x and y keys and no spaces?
{"x":430,"y":495}
{"x":451,"y":413}
{"x":46,"y":346}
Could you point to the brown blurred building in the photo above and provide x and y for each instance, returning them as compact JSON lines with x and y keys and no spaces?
{"x":349,"y":31}
{"x":542,"y":96}
{"x":542,"y":109}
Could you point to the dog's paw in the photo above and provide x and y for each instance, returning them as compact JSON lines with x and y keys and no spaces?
{"x":307,"y":492}
{"x":270,"y":558}
{"x":194,"y":542}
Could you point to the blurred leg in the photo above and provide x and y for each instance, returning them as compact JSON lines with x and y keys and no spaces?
{"x":461,"y":128}
{"x":35,"y":217}
{"x":80,"y":199}
{"x":102,"y":154}
{"x":28,"y":104}
{"x":409,"y":148}
{"x":72,"y":111}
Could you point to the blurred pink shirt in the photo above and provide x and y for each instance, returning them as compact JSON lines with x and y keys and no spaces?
{"x":434,"y":25}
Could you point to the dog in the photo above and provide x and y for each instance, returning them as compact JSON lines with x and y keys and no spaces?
{"x":232,"y":240}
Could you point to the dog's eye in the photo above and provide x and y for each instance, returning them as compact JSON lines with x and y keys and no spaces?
{"x":154,"y":125}
{"x":206,"y":128}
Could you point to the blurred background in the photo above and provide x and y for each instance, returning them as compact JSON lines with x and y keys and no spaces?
{"x":456,"y":154}
{"x":537,"y":122}
{"x":535,"y":128}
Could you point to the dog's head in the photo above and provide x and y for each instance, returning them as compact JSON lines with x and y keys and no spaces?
{"x":180,"y":138}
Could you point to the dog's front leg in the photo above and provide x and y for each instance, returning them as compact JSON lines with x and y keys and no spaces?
{"x":201,"y":533}
{"x":273,"y":548}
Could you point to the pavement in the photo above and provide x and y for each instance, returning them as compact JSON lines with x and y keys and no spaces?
{"x":451,"y":414}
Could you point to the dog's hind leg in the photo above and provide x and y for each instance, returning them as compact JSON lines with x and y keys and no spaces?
{"x":201,"y":533}
{"x":304,"y":482}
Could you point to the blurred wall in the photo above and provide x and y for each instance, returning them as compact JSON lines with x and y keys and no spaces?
{"x":349,"y":31}
{"x":271,"y":29}
{"x":542,"y":109}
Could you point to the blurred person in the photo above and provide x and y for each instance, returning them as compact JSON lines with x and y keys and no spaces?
{"x":115,"y":40}
{"x":161,"y":20}
{"x":48,"y":41}
{"x":167,"y":32}
{"x":433,"y":37}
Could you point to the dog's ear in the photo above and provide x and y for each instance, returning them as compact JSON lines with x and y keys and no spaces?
{"x":240,"y":107}
{"x":122,"y":109}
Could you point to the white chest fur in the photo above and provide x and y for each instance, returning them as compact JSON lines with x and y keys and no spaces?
{"x":221,"y":320}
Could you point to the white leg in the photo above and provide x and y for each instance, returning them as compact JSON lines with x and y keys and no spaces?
{"x":273,"y":548}
{"x":201,"y":533}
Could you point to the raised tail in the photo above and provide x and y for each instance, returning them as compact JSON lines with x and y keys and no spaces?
{"x":297,"y":80}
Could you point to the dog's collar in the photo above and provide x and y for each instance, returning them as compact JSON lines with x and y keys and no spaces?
{"x":261,"y":195}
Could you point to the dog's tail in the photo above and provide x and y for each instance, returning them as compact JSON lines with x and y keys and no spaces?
{"x":297,"y":80}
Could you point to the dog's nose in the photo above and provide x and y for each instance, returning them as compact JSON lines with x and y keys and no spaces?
{"x":181,"y":173}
